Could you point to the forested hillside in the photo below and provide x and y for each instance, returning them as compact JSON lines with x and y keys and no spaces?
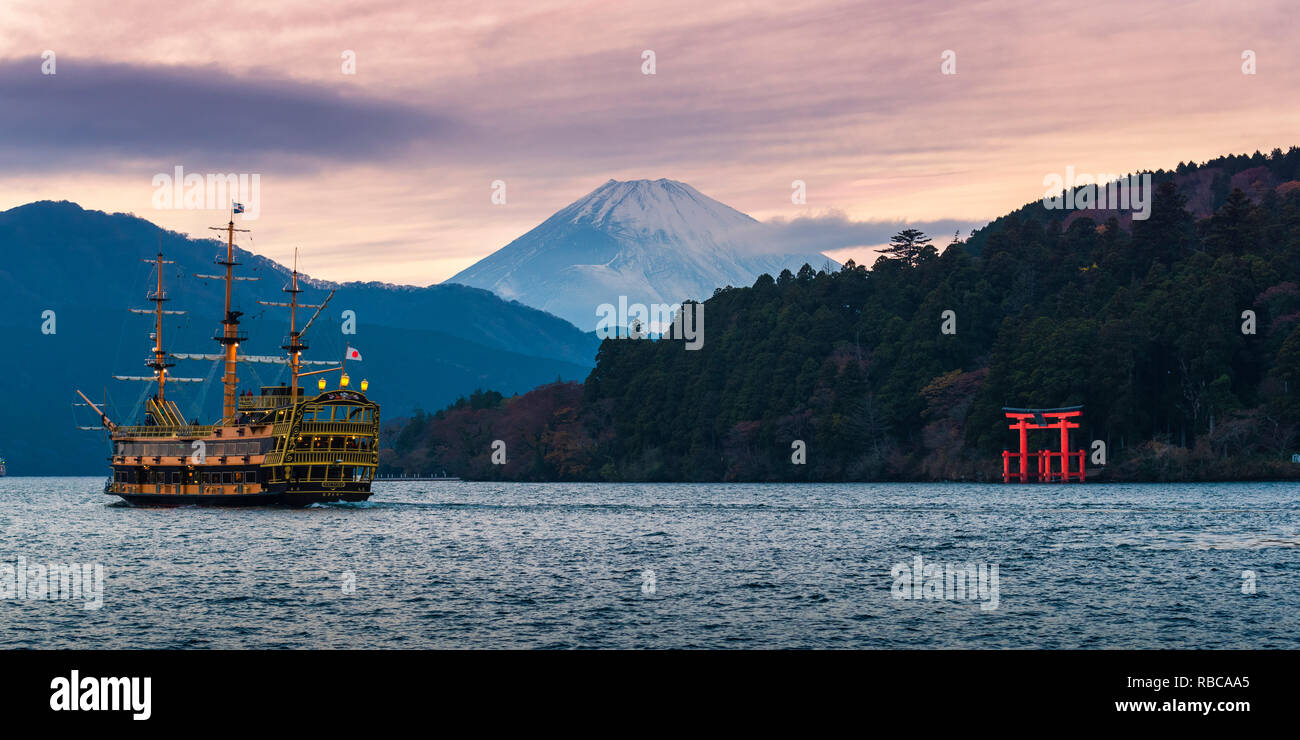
{"x":1140,"y":322}
{"x":83,"y":269}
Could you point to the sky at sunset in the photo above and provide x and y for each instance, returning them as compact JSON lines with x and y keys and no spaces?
{"x":387,"y":174}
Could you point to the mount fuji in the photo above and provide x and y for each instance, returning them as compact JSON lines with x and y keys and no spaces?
{"x":654,"y":241}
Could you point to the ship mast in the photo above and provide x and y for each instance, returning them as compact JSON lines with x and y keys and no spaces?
{"x":160,"y":363}
{"x":294,"y":345}
{"x":230,"y":336}
{"x":160,"y":359}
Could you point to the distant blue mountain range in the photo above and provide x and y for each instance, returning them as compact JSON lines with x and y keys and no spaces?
{"x":422,"y":347}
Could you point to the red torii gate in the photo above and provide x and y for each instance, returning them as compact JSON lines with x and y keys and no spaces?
{"x":1027,"y":419}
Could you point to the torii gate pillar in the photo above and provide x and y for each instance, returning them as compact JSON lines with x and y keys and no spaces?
{"x":1026,"y":419}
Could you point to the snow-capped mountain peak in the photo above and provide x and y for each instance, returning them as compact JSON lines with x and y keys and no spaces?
{"x":654,"y":206}
{"x":654,"y":241}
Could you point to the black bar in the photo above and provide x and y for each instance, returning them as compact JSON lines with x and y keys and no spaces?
{"x":971,"y":690}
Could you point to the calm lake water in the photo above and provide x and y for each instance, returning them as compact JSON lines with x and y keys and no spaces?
{"x":480,"y":565}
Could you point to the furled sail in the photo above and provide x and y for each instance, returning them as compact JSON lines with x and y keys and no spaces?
{"x":291,"y":305}
{"x":268,"y":359}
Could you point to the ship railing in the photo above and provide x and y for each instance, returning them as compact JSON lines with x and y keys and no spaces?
{"x":260,"y":403}
{"x":338,"y":427}
{"x":340,"y":457}
{"x":193,"y":430}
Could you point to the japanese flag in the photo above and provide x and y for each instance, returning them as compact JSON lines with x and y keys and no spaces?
{"x":352,"y":354}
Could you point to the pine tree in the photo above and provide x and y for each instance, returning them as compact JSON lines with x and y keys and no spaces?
{"x":908,"y":245}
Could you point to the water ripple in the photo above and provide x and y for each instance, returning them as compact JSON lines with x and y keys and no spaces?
{"x":469,"y":565}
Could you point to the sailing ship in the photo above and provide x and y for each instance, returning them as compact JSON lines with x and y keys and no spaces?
{"x":277,"y":446}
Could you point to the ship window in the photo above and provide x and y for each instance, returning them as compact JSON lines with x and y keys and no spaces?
{"x":227,"y":478}
{"x":176,"y":477}
{"x":250,"y":477}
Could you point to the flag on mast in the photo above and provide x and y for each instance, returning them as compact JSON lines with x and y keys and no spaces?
{"x":237,"y":207}
{"x":352,"y":354}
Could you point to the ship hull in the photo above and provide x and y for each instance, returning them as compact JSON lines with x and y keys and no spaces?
{"x":265,"y":498}
{"x":173,"y":499}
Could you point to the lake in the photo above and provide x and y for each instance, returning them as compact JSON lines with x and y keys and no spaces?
{"x":517,"y":565}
